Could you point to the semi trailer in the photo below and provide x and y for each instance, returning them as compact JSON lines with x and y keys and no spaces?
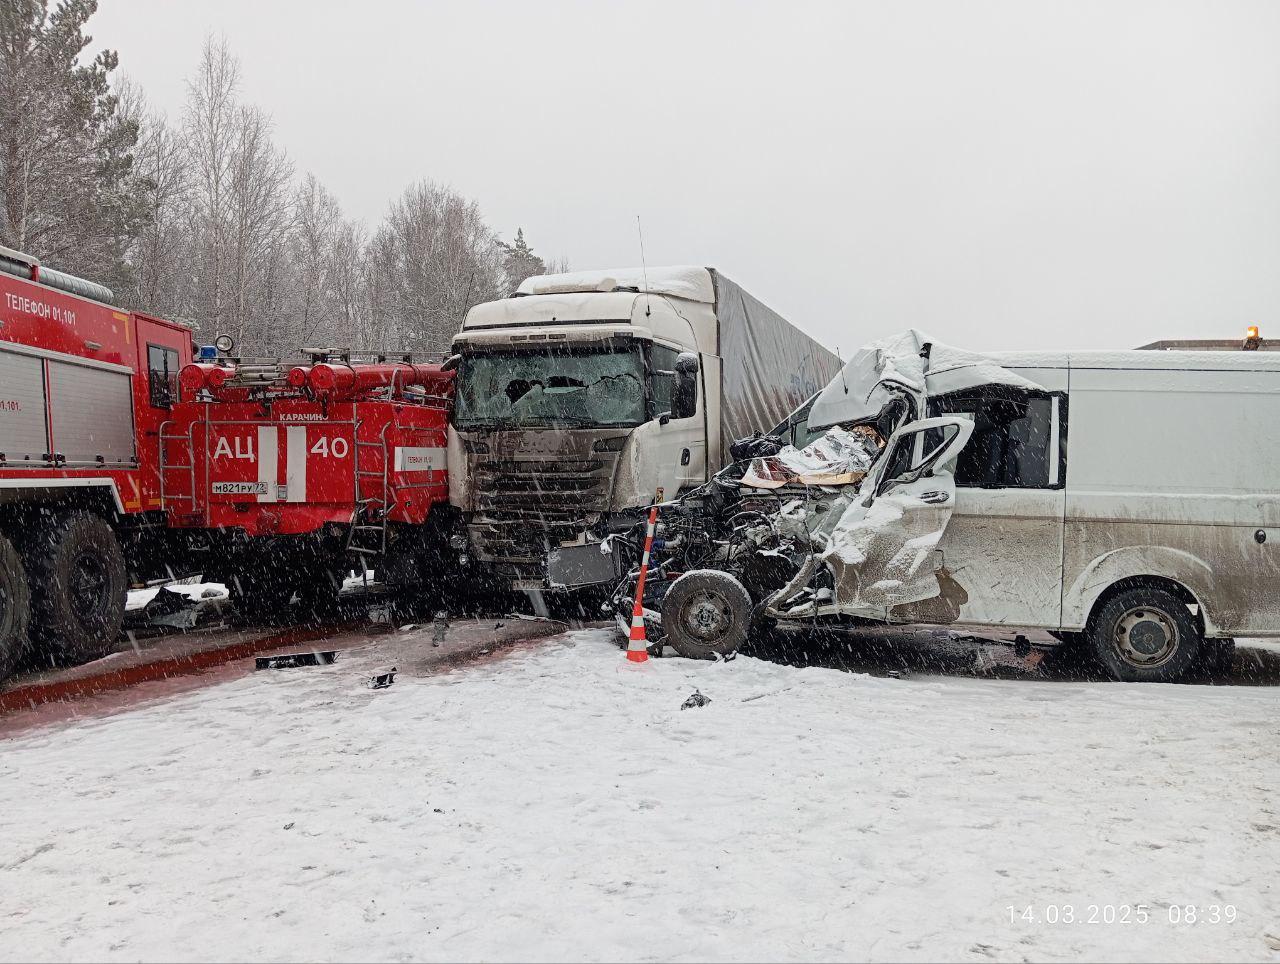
{"x":585,"y":394}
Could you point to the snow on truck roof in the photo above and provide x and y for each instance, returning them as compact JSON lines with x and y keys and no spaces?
{"x":678,"y":281}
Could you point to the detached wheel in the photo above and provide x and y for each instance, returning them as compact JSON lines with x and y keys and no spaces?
{"x":15,"y":608}
{"x":78,"y":585}
{"x":705,"y":613}
{"x":1145,"y":635}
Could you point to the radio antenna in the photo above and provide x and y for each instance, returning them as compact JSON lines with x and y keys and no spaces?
{"x":644,"y":267}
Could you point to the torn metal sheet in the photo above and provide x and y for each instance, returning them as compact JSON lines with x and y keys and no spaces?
{"x":881,"y":547}
{"x":180,"y":606}
{"x":911,"y":364}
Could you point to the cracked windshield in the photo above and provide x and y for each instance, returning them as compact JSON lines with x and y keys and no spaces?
{"x":553,"y":386}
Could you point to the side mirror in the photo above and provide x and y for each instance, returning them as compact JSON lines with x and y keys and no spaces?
{"x":684,"y":396}
{"x":686,"y":363}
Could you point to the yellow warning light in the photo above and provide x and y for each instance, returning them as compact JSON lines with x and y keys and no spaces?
{"x":1252,"y":338}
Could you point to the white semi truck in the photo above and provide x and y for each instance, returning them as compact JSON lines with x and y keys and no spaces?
{"x":582,"y":395}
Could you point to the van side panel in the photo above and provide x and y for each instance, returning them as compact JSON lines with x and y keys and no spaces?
{"x":1173,"y":473}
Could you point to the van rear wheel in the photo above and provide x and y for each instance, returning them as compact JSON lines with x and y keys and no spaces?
{"x":1145,"y":635}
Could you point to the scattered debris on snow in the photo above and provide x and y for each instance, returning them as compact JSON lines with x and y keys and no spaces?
{"x":294,"y":660}
{"x":694,"y":701}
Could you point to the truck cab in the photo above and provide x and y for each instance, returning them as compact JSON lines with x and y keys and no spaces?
{"x":574,"y":409}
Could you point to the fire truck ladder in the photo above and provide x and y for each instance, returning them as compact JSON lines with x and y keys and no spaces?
{"x":186,"y":470}
{"x":367,"y":537}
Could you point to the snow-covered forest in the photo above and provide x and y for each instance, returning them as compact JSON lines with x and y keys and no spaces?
{"x":204,"y":216}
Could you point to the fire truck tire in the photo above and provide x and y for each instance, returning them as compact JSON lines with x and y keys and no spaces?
{"x":78,"y":585}
{"x":318,"y":596}
{"x":259,"y":597}
{"x":15,"y":608}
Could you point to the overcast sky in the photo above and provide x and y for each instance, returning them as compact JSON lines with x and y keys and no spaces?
{"x":1010,"y":174}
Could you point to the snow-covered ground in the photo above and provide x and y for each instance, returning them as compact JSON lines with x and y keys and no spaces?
{"x":556,"y":805}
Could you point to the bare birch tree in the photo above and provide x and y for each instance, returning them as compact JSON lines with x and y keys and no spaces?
{"x":208,"y":127}
{"x":432,"y":259}
{"x":159,"y":254}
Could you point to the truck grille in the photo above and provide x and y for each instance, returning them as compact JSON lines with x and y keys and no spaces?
{"x":525,"y":506}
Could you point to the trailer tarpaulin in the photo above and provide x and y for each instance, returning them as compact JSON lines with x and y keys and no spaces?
{"x":769,"y":366}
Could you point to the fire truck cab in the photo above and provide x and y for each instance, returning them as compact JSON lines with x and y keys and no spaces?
{"x":84,"y":390}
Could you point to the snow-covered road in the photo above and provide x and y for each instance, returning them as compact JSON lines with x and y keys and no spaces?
{"x":554,"y":805}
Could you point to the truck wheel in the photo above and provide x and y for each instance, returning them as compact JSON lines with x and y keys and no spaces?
{"x":259,"y":596}
{"x":318,"y":595}
{"x":1145,"y":635}
{"x":15,"y":608}
{"x":78,"y":585}
{"x":706,"y":612}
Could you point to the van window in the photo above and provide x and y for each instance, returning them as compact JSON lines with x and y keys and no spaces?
{"x":1014,"y":435}
{"x":162,"y":375}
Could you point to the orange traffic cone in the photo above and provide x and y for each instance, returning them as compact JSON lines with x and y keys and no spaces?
{"x":638,"y":645}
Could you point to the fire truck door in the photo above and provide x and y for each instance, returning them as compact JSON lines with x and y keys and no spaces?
{"x":161,"y":353}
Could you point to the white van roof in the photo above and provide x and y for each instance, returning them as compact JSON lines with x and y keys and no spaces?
{"x":1250,"y":361}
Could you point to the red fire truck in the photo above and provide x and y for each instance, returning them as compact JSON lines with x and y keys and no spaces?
{"x":84,"y":389}
{"x":284,"y":479}
{"x":122,"y":461}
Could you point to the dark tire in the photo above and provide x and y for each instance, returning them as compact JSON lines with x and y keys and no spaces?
{"x":15,"y":609}
{"x":78,"y":580}
{"x":318,"y":595}
{"x":706,"y":613}
{"x":1145,"y":636}
{"x":1073,"y":656}
{"x":259,"y":596}
{"x":1217,"y":658}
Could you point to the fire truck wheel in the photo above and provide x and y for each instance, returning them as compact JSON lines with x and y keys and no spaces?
{"x":260,"y":597}
{"x":318,"y":595}
{"x":15,"y":608}
{"x":78,"y":579}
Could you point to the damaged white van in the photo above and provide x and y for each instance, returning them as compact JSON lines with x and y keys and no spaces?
{"x":1124,"y":501}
